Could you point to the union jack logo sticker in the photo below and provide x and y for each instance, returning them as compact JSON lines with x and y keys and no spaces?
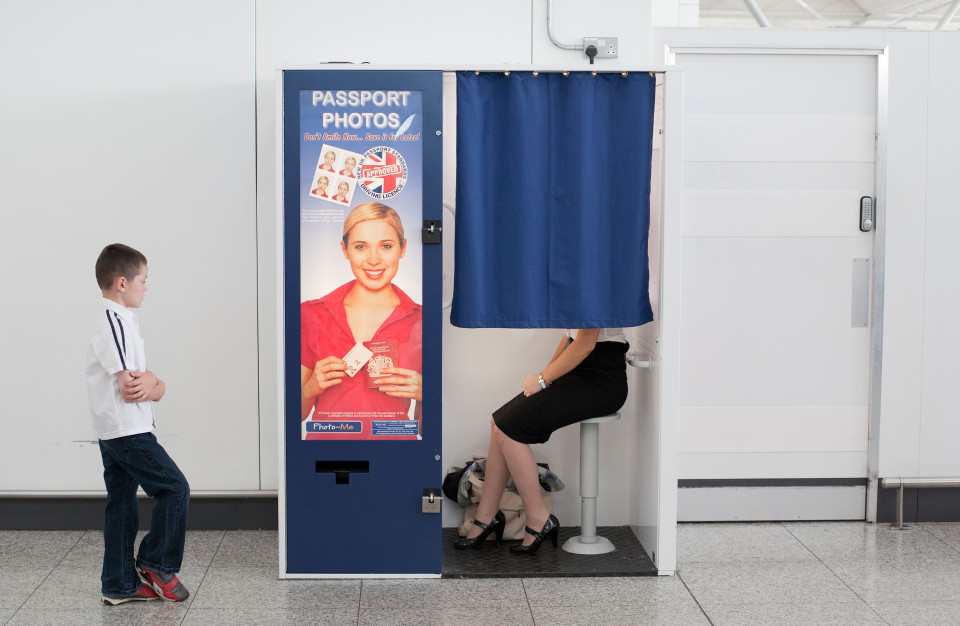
{"x":383,"y":172}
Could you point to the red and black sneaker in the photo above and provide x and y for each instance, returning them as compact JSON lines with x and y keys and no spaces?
{"x":168,"y":586}
{"x":142,"y":594}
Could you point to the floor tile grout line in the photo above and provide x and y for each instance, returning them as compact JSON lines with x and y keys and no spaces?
{"x":527,"y":599}
{"x":360,"y":602}
{"x":692,"y":595}
{"x":52,"y":569}
{"x":203,"y":578}
{"x":923,"y":526}
{"x":835,"y":575}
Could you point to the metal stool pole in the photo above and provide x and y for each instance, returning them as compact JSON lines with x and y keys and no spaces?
{"x":588,"y":542}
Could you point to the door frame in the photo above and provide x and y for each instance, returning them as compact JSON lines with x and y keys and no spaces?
{"x":880,"y":205}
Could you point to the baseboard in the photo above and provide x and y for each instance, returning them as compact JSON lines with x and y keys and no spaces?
{"x":934,"y":504}
{"x":771,"y":500}
{"x":86,"y":513}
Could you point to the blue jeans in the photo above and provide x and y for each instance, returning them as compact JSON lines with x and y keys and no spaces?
{"x":128,"y":462}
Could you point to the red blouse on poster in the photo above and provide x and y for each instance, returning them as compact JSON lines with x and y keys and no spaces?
{"x":324,"y":332}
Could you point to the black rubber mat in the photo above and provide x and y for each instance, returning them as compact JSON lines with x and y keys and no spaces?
{"x":493,"y":561}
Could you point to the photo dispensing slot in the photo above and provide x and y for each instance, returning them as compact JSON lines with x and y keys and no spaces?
{"x":343,"y":469}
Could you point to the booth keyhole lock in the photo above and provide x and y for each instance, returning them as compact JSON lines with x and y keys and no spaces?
{"x":432,"y":231}
{"x":431,"y":500}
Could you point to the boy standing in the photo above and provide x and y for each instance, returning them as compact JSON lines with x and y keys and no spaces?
{"x":121,"y":391}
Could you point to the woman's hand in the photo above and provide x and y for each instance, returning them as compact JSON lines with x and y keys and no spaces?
{"x":531,"y":385}
{"x":326,"y":374}
{"x":401,"y":383}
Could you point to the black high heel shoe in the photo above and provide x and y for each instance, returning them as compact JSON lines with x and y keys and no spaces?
{"x":550,"y":529}
{"x":496,"y":525}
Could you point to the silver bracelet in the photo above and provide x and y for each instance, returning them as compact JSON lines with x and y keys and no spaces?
{"x":543,"y":385}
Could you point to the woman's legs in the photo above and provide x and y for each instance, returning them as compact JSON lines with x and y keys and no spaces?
{"x":523,"y":467}
{"x":507,"y":458}
{"x":494,"y":481}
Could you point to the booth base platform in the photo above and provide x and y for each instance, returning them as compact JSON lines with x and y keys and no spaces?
{"x":493,"y":561}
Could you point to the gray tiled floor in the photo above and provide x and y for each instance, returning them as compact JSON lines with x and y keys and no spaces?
{"x":791,"y":573}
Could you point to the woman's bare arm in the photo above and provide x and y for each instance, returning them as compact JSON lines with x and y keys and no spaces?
{"x":564,"y":360}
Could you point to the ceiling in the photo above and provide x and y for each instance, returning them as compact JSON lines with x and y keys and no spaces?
{"x":903,"y":14}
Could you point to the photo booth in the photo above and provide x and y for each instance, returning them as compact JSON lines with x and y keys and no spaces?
{"x":359,"y":489}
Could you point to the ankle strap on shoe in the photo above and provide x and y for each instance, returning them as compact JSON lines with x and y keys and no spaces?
{"x":538,"y":535}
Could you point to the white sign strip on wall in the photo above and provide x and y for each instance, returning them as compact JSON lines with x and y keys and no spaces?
{"x":780,"y":138}
{"x":768,"y":213}
{"x":773,"y":429}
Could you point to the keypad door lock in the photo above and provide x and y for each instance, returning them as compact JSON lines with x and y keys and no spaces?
{"x":431,"y":500}
{"x":867,"y":217}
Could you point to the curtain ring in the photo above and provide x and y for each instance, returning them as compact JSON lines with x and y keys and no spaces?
{"x":593,"y":73}
{"x":624,"y":74}
{"x":477,"y":73}
{"x":535,"y":74}
{"x":566,"y":74}
{"x":506,"y":73}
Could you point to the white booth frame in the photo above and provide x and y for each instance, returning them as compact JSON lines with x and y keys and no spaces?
{"x":653,"y":486}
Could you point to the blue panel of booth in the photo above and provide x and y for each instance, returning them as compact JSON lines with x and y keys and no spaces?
{"x":359,"y":457}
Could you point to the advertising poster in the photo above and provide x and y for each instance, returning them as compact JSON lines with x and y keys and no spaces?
{"x":361,"y":199}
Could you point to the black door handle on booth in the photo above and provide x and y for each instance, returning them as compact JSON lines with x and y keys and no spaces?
{"x":432,"y":231}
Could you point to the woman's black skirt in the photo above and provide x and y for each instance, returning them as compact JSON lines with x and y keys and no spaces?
{"x":598,"y":386}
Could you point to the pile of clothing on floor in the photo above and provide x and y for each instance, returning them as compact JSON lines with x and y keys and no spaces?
{"x":464,"y":485}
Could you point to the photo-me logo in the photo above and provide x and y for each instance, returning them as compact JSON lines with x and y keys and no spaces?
{"x":334,"y":427}
{"x":383,"y":172}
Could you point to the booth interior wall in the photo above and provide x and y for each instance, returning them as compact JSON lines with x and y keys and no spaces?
{"x":484,"y":367}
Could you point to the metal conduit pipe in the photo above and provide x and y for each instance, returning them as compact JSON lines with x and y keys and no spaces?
{"x":757,"y":13}
{"x":948,"y":15}
{"x":565,"y":46}
{"x":914,"y":483}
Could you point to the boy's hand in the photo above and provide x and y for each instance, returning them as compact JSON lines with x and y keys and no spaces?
{"x":124,"y":378}
{"x":140,"y":386}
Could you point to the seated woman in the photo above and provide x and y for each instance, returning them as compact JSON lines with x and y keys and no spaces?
{"x":586,"y":377}
{"x":368,"y":308}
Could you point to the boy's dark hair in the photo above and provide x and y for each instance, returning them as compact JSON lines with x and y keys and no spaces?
{"x":118,"y":260}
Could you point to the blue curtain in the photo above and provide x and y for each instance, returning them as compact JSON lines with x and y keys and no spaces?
{"x":553,"y":200}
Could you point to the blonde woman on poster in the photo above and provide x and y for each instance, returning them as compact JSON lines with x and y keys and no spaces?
{"x":321,"y":189}
{"x":342,"y":190}
{"x":361,"y":344}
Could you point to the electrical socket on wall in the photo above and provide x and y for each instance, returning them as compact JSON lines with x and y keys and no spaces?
{"x":607,"y":47}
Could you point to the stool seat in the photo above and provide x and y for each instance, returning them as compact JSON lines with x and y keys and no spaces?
{"x":600,"y":420}
{"x":587,"y":542}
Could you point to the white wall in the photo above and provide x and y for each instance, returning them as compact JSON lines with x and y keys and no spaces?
{"x":482,"y":368}
{"x":123,"y":122}
{"x":939,"y":427}
{"x":922,"y":300}
{"x":158,"y":129}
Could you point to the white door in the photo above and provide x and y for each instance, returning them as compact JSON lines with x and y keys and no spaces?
{"x":775,"y":372}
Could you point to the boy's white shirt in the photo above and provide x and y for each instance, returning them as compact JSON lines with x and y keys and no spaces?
{"x":112,"y":417}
